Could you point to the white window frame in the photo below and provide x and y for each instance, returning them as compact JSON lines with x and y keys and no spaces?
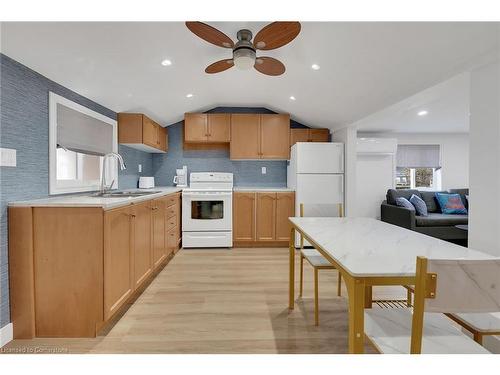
{"x":69,"y":186}
{"x":436,"y":180}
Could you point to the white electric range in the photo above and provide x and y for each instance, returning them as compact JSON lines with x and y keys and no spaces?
{"x":207,"y":210}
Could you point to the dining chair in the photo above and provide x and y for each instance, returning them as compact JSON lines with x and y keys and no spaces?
{"x":442,"y":286}
{"x":317,"y":260}
{"x":478,"y":324}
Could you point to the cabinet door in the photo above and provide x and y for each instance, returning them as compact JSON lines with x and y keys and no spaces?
{"x":298,"y":135}
{"x":285,"y":208}
{"x":172,"y":240}
{"x":319,"y":135}
{"x":243,"y":216}
{"x":118,"y":271}
{"x":158,"y":217}
{"x":245,"y":136}
{"x":275,"y":136}
{"x":162,"y":138}
{"x":195,"y":127}
{"x":149,"y":132}
{"x":266,"y":216}
{"x":142,"y":242}
{"x":218,"y":127}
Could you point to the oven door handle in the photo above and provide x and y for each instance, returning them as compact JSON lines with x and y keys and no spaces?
{"x":209,"y":195}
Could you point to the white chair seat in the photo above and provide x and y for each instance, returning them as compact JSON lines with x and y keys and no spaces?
{"x":315,"y":258}
{"x":390,"y":331}
{"x":481,"y":322}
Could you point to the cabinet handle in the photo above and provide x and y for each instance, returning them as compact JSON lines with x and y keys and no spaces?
{"x":132,"y":215}
{"x":154,"y":208}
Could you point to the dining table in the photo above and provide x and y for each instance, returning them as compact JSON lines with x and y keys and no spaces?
{"x":367,"y":253}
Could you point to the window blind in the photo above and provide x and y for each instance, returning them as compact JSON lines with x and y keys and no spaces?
{"x":79,"y":132}
{"x":418,"y":156}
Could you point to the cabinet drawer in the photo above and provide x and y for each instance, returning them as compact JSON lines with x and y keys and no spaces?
{"x":171,"y":222}
{"x":172,"y":239}
{"x":171,"y":200}
{"x":171,"y":211}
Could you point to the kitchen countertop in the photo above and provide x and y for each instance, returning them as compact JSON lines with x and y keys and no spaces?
{"x":257,"y":188}
{"x":86,"y":200}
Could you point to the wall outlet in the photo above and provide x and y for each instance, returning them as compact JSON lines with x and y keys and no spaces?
{"x":8,"y":157}
{"x":264,"y":170}
{"x":140,"y":168}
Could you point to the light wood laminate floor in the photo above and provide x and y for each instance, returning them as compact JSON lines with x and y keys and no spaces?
{"x":220,"y":301}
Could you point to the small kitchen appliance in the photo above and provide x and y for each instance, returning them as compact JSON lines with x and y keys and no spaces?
{"x":146,"y":182}
{"x":180,"y":179}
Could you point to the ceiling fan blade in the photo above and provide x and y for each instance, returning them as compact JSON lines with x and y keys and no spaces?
{"x":269,"y":66}
{"x":210,"y":34}
{"x":276,"y":35}
{"x":219,"y":66}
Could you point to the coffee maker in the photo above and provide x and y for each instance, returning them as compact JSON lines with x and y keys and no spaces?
{"x":180,"y":179}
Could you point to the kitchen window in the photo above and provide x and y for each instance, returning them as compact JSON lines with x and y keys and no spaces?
{"x":78,"y":140}
{"x":418,"y":167}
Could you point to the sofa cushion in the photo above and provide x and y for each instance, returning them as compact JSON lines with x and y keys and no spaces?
{"x":440,"y":220}
{"x":464,"y":193}
{"x":419,"y":204}
{"x":392,"y":194}
{"x":403,"y":202}
{"x":451,"y":203}
{"x":430,"y":200}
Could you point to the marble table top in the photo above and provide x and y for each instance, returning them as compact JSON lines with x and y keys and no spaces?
{"x":366,"y":247}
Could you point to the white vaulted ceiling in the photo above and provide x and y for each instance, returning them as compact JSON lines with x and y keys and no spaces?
{"x":364,"y":66}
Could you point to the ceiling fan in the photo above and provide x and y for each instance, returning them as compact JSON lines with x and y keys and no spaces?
{"x":272,"y":36}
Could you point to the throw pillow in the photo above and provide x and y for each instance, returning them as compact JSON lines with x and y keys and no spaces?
{"x":451,"y":204}
{"x":419,"y":204}
{"x":403,"y":202}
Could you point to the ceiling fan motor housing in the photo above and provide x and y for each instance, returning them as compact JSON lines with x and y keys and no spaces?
{"x":244,"y":51}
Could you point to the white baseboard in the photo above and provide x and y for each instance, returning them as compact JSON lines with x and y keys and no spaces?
{"x":6,"y":334}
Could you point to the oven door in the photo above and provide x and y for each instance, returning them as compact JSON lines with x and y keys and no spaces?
{"x":207,"y":211}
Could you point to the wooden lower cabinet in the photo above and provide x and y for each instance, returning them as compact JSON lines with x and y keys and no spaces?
{"x":261,"y":218}
{"x":266,"y":216}
{"x":118,"y":266}
{"x":243,"y":217}
{"x":73,"y":268}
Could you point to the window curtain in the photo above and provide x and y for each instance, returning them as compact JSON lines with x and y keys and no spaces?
{"x":79,"y":132}
{"x":418,"y":156}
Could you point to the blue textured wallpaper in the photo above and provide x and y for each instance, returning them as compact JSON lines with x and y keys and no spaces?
{"x":246,"y":173}
{"x":24,"y":126}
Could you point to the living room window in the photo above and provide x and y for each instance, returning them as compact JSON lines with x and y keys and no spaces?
{"x":418,"y":167}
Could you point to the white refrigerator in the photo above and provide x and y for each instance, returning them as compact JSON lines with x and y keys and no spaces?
{"x":316,"y":173}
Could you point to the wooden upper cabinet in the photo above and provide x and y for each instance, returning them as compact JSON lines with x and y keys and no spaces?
{"x":245,"y":136}
{"x":274,"y":136}
{"x":207,"y":127}
{"x":219,"y":127}
{"x":266,"y":214}
{"x":118,"y":283}
{"x":195,"y":127}
{"x":139,"y":131}
{"x":308,"y":135}
{"x":319,"y":135}
{"x":260,"y":136}
{"x":285,"y":208}
{"x":243,"y":216}
{"x":299,"y":135}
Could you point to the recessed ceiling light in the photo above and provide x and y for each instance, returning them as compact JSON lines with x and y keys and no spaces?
{"x":189,"y":95}
{"x":422,"y":113}
{"x":292,"y":97}
{"x":166,"y":62}
{"x":315,"y":67}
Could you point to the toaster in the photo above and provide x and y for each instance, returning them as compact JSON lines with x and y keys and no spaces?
{"x":146,"y":182}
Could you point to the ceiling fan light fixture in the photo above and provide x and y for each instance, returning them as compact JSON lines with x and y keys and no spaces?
{"x":244,"y":58}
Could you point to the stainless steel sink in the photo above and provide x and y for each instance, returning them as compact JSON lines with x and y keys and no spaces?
{"x":124,"y":194}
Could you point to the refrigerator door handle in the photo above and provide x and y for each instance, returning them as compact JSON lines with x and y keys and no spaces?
{"x":342,"y":160}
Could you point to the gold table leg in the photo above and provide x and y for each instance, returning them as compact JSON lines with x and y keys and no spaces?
{"x":291,"y":276}
{"x":356,"y":293}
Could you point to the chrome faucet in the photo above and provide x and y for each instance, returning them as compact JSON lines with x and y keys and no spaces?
{"x":105,"y":188}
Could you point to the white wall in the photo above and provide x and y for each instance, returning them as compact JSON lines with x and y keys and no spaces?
{"x":454,"y":153}
{"x":348,"y":136}
{"x":484,"y":220}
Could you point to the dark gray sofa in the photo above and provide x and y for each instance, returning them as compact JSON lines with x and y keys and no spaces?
{"x":437,"y":224}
